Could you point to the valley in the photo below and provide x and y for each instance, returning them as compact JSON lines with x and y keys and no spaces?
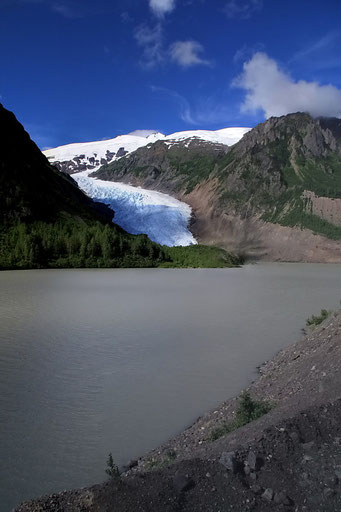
{"x":270,"y":193}
{"x":46,"y":221}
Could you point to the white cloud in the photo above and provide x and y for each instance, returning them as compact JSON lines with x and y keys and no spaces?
{"x":274,"y":91}
{"x":187,"y":53}
{"x":143,"y":133}
{"x":243,"y":9}
{"x":150,"y":39}
{"x":161,"y":7}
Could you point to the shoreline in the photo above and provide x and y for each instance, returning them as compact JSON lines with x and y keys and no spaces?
{"x":302,"y":381}
{"x":278,"y":382}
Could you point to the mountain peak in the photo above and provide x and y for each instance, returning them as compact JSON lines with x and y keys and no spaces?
{"x":84,"y":156}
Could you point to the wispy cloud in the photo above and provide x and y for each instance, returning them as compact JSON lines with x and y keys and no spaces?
{"x":206,"y":111}
{"x":161,"y":7}
{"x":150,"y":39}
{"x":183,"y":53}
{"x":12,"y":3}
{"x":188,"y":54}
{"x":321,"y":54}
{"x":71,"y":9}
{"x":246,"y":52}
{"x":243,"y":9}
{"x":274,"y":91}
{"x":143,"y":133}
{"x":181,"y":102}
{"x":68,"y":10}
{"x":126,"y":17}
{"x":321,"y":44}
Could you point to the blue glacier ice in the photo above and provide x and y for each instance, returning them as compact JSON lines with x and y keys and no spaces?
{"x":162,"y":217}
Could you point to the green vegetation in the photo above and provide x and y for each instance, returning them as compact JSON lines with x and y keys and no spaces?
{"x":297,"y":216}
{"x":318,"y":319}
{"x":112,"y":470}
{"x":193,"y":170}
{"x":200,"y":256}
{"x":71,"y":244}
{"x":75,"y":245}
{"x":248,"y":410}
{"x":322,"y":176}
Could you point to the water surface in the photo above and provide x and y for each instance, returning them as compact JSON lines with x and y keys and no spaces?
{"x":93,"y":361}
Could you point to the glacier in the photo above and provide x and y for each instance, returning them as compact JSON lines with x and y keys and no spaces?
{"x":139,"y":211}
{"x":163,"y":218}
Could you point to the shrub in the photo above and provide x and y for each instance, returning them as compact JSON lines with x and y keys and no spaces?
{"x":318,"y":319}
{"x":112,"y":469}
{"x":248,"y":410}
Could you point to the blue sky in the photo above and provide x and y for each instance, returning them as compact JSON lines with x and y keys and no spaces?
{"x":82,"y":70}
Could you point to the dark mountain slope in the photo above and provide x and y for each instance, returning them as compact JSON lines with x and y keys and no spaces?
{"x":267,"y":195}
{"x":30,"y":188}
{"x":46,"y":221}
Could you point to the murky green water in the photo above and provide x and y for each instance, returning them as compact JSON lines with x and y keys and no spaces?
{"x":121,"y":360}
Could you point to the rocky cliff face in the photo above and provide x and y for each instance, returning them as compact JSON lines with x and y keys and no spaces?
{"x":258,"y":196}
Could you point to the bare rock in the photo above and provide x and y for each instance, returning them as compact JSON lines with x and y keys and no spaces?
{"x":268,"y":494}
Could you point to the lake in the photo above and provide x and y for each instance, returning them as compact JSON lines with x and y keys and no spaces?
{"x":99,"y":361}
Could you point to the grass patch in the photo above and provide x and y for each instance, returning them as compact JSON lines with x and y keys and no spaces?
{"x":318,"y":319}
{"x":248,"y":410}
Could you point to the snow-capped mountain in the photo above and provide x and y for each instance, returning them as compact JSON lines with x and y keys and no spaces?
{"x":226,"y":136}
{"x":78,"y":157}
{"x":163,"y":218}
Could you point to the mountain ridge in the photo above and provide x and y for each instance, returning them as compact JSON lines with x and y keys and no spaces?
{"x":78,"y":157}
{"x":252,"y":197}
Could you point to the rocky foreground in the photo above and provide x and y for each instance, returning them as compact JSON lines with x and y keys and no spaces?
{"x":289,"y":459}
